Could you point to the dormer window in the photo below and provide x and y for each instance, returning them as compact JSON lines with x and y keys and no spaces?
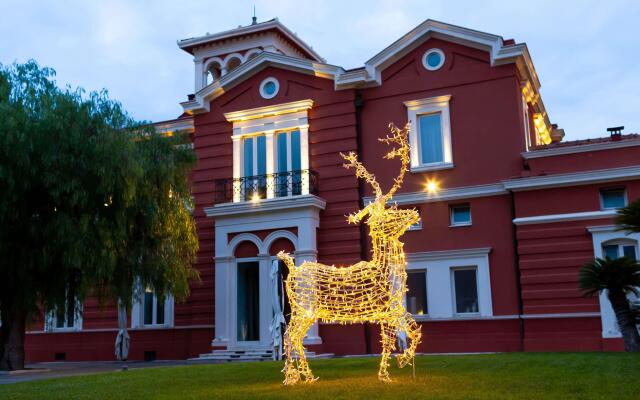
{"x":430,"y":134}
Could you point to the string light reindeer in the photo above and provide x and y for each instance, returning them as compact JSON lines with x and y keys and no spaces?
{"x":368,"y":291}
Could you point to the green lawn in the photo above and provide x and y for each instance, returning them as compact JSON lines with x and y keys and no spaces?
{"x":499,"y":376}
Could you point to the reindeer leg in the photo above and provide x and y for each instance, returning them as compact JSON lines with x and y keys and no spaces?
{"x":414,"y":334}
{"x":303,"y":365}
{"x":388,"y":333}
{"x":291,"y":373}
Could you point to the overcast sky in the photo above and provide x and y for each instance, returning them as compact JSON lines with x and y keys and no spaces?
{"x":587,"y":53}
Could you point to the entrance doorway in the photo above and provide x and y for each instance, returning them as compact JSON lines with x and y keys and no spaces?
{"x":248,"y":302}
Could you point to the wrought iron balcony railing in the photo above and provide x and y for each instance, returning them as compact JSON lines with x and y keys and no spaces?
{"x":268,"y":186}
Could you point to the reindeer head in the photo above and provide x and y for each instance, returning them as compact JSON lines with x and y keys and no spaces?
{"x":383,"y":219}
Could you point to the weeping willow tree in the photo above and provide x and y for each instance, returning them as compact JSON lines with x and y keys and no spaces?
{"x":92,"y":202}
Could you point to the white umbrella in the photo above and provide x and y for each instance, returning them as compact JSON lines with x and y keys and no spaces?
{"x":277,"y":304}
{"x":122,"y":340}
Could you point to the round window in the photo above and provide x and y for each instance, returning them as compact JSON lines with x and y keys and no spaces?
{"x":433,"y":59}
{"x":269,"y":88}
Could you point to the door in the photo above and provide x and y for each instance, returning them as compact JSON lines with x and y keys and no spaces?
{"x":248,"y":303}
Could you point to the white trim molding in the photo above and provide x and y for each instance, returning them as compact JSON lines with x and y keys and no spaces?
{"x":418,"y":108}
{"x":269,"y":111}
{"x":580,"y":148}
{"x":579,"y":216}
{"x":265,"y":206}
{"x":447,"y":194}
{"x":573,"y":179}
{"x":440,"y":293}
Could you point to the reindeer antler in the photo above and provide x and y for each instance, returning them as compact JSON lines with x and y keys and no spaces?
{"x":399,"y":137}
{"x":361,"y":171}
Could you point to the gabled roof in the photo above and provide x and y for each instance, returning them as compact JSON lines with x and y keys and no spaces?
{"x":189,"y":44}
{"x":500,"y":51}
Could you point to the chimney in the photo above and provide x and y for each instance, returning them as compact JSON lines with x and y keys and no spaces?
{"x":616,"y":132}
{"x":556,"y":133}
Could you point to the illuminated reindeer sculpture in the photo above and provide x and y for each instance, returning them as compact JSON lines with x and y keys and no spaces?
{"x":369,"y":291}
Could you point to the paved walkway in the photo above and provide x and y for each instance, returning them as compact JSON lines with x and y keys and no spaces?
{"x":49,"y":370}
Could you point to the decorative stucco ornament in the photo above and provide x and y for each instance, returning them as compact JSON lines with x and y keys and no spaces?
{"x":368,"y":291}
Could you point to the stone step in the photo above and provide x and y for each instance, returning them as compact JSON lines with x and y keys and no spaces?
{"x":250,"y":355}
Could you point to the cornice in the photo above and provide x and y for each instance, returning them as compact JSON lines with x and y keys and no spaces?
{"x":268,"y":111}
{"x":447,"y":194}
{"x":447,"y":254}
{"x":573,"y":179}
{"x":582,"y":148}
{"x":268,"y":205}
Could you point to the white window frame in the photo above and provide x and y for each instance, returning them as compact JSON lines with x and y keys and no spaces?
{"x":254,"y":145}
{"x":602,"y":235}
{"x":453,"y":290}
{"x":137,"y":312}
{"x":440,"y":292}
{"x":426,"y":290}
{"x":432,"y":105}
{"x":269,"y":120}
{"x":452,"y":223}
{"x":426,"y":54}
{"x":51,"y":321}
{"x":604,"y":189}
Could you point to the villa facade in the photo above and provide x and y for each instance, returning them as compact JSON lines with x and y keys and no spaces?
{"x":509,"y":212}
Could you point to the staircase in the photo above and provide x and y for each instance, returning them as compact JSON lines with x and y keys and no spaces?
{"x":248,"y":355}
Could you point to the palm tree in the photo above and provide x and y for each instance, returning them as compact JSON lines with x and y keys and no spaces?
{"x":628,"y":218}
{"x":618,"y":277}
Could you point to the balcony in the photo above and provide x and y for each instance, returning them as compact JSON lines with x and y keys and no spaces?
{"x":268,"y":186}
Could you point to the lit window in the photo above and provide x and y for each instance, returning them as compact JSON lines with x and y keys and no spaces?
{"x":433,"y":59}
{"x":288,"y":168}
{"x":153,"y":309}
{"x":617,"y":249}
{"x":417,"y":294}
{"x":269,"y":88}
{"x":430,"y":133}
{"x":254,"y":168}
{"x":465,"y":290}
{"x":527,"y":122}
{"x":460,"y":215}
{"x":613,"y":198}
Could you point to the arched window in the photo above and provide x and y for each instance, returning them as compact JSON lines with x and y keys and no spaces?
{"x":233,"y":63}
{"x":214,"y":73}
{"x":620,"y":248}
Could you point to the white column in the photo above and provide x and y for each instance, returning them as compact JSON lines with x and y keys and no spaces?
{"x":304,"y":154}
{"x":223,"y":300}
{"x":200,"y":80}
{"x":271,"y":163}
{"x":237,"y":165}
{"x":266,"y":308}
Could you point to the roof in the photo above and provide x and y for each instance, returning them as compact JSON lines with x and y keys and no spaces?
{"x":582,"y":142}
{"x":500,"y":52}
{"x":582,"y":146}
{"x":189,"y":44}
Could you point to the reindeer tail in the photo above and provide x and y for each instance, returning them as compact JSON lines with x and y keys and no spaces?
{"x":287,"y":259}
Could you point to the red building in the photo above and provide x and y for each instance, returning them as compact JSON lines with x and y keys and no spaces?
{"x":509,"y":217}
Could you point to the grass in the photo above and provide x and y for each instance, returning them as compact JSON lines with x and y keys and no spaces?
{"x":495,"y":376}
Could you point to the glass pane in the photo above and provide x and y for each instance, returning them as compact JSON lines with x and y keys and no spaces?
{"x":60,"y":318}
{"x":611,"y":251}
{"x":71,"y":314}
{"x":433,"y":59}
{"x":282,"y":152}
{"x":148,"y":308}
{"x":466,"y":289}
{"x":262,"y":155}
{"x":248,"y":303}
{"x":159,"y":312}
{"x":430,"y":138}
{"x":612,"y":198}
{"x":629,"y":251}
{"x":295,"y":150}
{"x":461,"y":215}
{"x":248,"y":157}
{"x":417,"y":294}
